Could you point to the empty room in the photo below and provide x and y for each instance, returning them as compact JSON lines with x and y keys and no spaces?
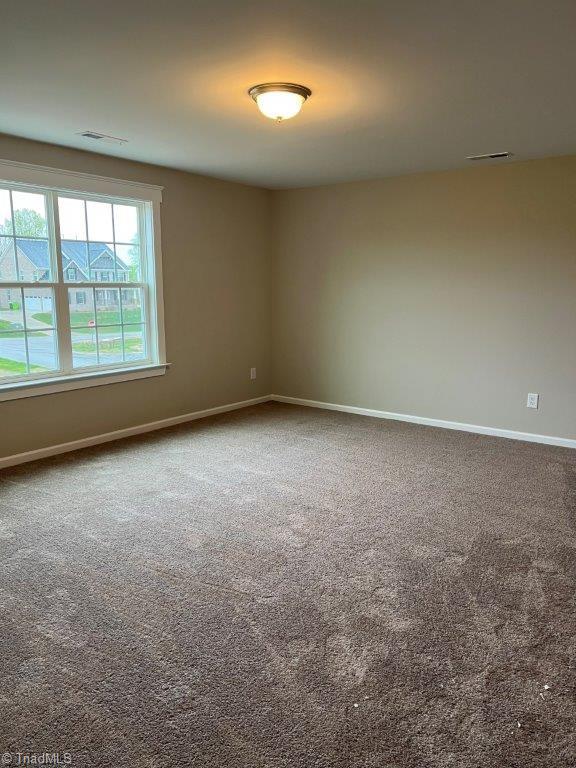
{"x":288,"y":384}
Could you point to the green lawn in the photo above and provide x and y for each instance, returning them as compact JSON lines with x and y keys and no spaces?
{"x":13,"y":368}
{"x":44,"y":317}
{"x":6,"y":332}
{"x":15,"y":330}
{"x":109,"y":346}
{"x":109,"y":317}
{"x":6,"y":325}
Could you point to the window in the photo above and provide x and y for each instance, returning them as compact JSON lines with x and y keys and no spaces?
{"x":52,"y":241}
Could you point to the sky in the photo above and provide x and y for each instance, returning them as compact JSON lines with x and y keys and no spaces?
{"x":106,"y":222}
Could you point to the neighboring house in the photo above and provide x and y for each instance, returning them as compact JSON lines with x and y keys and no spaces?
{"x":81,"y":262}
{"x":33,"y":260}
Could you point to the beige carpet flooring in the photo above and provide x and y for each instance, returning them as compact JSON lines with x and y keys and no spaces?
{"x":283,"y":587}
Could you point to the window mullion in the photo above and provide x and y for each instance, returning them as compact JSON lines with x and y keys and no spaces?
{"x":88,"y":262}
{"x":114,"y":247}
{"x":62,"y":308}
{"x":23,"y":305}
{"x":16,"y":264}
{"x":148,"y":277}
{"x":96,"y":336}
{"x":63,"y":328}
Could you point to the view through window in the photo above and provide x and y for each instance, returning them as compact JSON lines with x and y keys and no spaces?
{"x":74,"y":284}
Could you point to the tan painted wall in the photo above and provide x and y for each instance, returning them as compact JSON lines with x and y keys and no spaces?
{"x":448,"y":295}
{"x":216,"y":247}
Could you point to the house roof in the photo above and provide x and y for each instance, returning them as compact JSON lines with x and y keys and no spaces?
{"x":36,"y":251}
{"x":75,"y":250}
{"x":72,"y":250}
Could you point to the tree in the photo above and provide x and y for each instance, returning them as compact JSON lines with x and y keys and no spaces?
{"x":28,"y":223}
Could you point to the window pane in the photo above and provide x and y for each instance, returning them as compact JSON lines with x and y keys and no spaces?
{"x":131,"y":305}
{"x":102,"y":262}
{"x":72,"y":215}
{"x":134,"y":342}
{"x":12,"y":355}
{"x":42,"y":351}
{"x":107,"y":306}
{"x":11,"y":311}
{"x":99,"y":221}
{"x":128,"y":263}
{"x":5,"y":213}
{"x":100,"y":244}
{"x":39,"y":308}
{"x":110,"y":344}
{"x":81,"y":304}
{"x":75,"y":264}
{"x":84,"y":347}
{"x":33,"y":259}
{"x":126,"y":223}
{"x":41,"y":339}
{"x":7,"y":260}
{"x":29,"y":214}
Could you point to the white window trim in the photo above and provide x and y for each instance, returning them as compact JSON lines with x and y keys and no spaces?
{"x":72,"y":181}
{"x":49,"y":386}
{"x":56,"y":180}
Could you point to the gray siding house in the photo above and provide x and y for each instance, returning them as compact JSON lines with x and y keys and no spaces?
{"x":81,"y":262}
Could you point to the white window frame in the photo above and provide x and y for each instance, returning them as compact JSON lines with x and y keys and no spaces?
{"x":53,"y":182}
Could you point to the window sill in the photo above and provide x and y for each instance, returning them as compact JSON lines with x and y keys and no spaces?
{"x":78,"y":381}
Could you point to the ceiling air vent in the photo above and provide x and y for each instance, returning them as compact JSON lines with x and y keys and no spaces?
{"x":490,"y":156}
{"x":102,"y":137}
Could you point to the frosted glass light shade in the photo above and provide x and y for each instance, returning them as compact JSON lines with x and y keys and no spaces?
{"x":279,"y":105}
{"x":279,"y":101}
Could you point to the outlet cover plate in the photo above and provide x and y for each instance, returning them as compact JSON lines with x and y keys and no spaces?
{"x":532,"y":401}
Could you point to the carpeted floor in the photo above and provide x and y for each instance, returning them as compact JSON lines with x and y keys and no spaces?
{"x":284,"y":587}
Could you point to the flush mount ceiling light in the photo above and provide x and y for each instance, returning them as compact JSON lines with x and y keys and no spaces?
{"x":279,"y":101}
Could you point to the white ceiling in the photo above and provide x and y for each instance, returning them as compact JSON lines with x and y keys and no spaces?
{"x":398,"y":85}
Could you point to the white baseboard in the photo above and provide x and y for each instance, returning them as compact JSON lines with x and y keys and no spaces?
{"x":564,"y":442}
{"x":107,"y":437}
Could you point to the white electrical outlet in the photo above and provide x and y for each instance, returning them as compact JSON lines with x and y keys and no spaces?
{"x":252,"y":373}
{"x":532,"y":401}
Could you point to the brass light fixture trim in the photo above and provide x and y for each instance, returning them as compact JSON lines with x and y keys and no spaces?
{"x":256,"y":90}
